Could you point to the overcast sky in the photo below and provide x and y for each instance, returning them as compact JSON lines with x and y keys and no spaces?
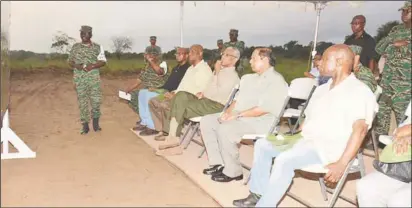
{"x":34,"y":23}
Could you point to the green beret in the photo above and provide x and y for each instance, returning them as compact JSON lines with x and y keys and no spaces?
{"x":153,"y":38}
{"x":234,"y":31}
{"x":220,"y":41}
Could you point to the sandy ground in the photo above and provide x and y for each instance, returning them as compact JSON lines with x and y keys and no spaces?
{"x":110,"y":168}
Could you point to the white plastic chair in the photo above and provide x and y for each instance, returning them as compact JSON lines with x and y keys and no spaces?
{"x":193,"y":126}
{"x":300,"y":88}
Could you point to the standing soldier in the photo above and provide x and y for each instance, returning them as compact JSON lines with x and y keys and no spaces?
{"x":86,"y":58}
{"x":396,"y":75}
{"x":216,"y":54}
{"x":153,"y":46}
{"x":240,"y":45}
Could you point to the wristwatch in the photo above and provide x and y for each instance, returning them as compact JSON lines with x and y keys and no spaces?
{"x":238,"y":116}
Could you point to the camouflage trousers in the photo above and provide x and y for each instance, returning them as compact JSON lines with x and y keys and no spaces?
{"x":88,"y":90}
{"x":395,"y":96}
{"x":134,"y":101}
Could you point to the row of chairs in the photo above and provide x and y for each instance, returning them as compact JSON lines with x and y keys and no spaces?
{"x":302,"y":89}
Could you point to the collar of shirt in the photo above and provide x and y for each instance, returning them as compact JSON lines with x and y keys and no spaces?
{"x":198,"y":64}
{"x":266,"y":73}
{"x":348,"y":79}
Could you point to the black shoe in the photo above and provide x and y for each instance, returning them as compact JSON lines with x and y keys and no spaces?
{"x":249,"y":201}
{"x":96,"y":126}
{"x":148,"y":132}
{"x":85,"y":128}
{"x":216,"y":169}
{"x":224,"y":178}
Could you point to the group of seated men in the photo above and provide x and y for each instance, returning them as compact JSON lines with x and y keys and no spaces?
{"x":344,"y":107}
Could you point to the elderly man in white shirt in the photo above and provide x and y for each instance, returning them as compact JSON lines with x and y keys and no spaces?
{"x":380,"y":190}
{"x":337,"y":119}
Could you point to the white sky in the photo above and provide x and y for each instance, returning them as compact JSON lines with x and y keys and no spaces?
{"x":33,"y":23}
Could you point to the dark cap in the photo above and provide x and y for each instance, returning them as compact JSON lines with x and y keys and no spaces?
{"x":85,"y":28}
{"x":153,"y":37}
{"x":234,"y":31}
{"x":220,"y":41}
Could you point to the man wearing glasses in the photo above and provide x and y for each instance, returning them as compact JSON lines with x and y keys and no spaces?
{"x":186,"y":105}
{"x":360,"y":38}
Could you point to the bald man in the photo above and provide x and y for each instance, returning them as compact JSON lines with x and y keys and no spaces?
{"x":337,"y":119}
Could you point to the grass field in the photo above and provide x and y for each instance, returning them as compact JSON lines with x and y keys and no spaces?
{"x":289,"y":68}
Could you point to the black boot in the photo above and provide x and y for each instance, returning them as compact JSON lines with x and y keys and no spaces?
{"x":85,"y":128}
{"x":96,"y":126}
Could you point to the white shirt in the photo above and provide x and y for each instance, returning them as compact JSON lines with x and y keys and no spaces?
{"x":196,"y":78}
{"x":331,"y":114}
{"x":315,"y":72}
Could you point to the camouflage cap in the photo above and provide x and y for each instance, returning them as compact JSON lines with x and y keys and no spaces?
{"x":152,"y":50}
{"x":153,"y":37}
{"x":356,"y":49}
{"x":220,"y":41}
{"x":406,"y":5}
{"x":85,"y":28}
{"x":234,"y":31}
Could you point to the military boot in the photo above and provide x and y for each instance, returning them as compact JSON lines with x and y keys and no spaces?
{"x":85,"y":128}
{"x":96,"y":126}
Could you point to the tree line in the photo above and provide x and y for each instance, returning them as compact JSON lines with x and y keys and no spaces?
{"x":122,"y":46}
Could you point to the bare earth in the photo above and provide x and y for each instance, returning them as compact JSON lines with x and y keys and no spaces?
{"x":110,"y":168}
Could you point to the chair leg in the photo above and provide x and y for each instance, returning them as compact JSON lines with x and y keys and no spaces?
{"x":191,"y":135}
{"x":247,"y":179}
{"x":183,"y":136}
{"x":361,"y":165}
{"x":375,"y":144}
{"x":339,"y":186}
{"x":323,"y":189}
{"x":202,"y":152}
{"x":289,"y":124}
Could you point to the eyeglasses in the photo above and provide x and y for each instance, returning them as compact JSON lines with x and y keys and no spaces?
{"x":356,"y":23}
{"x":225,"y":54}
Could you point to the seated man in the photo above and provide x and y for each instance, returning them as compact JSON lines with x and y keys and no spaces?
{"x":314,"y":72}
{"x":212,"y":100}
{"x":380,"y":190}
{"x":361,"y":72}
{"x":337,"y":119}
{"x":146,"y":125}
{"x":257,"y":104}
{"x":153,"y":76}
{"x":195,"y":80}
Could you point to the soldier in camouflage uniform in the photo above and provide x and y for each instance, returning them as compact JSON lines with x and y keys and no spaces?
{"x":154,"y":75}
{"x":396,"y":75}
{"x":153,"y":46}
{"x":86,"y":58}
{"x":240,"y":45}
{"x":216,"y":54}
{"x":361,"y":72}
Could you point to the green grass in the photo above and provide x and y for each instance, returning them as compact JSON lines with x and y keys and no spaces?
{"x":289,"y":68}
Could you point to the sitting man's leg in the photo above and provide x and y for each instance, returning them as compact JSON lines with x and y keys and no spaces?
{"x":301,"y":155}
{"x":144,"y":112}
{"x":157,"y":107}
{"x":379,"y":190}
{"x":223,"y":140}
{"x":263,"y":155}
{"x":186,"y":105}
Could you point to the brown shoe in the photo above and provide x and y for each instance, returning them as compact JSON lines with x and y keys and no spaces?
{"x":161,"y":137}
{"x":139,"y":128}
{"x":148,"y":132}
{"x":170,"y":143}
{"x":170,"y":152}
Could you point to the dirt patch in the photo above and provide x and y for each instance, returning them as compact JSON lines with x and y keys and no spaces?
{"x":110,"y":168}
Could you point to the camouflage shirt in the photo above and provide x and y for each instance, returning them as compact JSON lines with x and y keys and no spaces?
{"x":398,"y":62}
{"x":85,"y":54}
{"x":150,"y":79}
{"x":153,"y":48}
{"x":365,"y":75}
